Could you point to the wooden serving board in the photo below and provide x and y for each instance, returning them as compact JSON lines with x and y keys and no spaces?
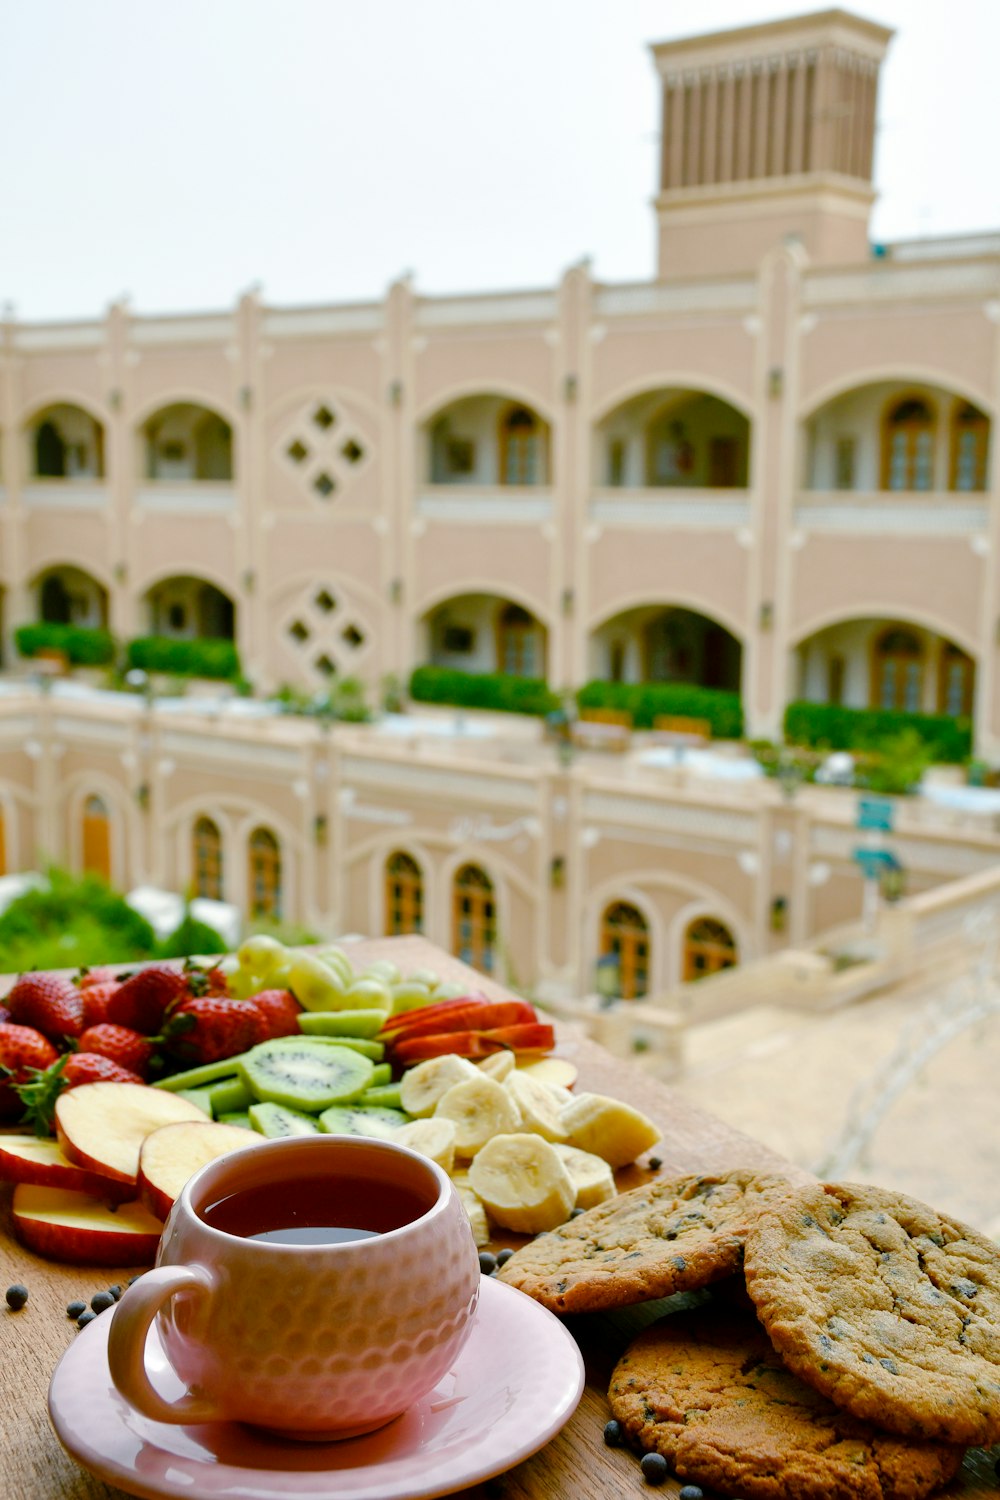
{"x":575,"y":1465}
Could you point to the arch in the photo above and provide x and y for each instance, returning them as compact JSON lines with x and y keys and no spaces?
{"x":214,"y":609}
{"x":879,"y":613}
{"x":709,"y":947}
{"x":716,"y":908}
{"x":57,"y":561}
{"x":403,"y":894}
{"x":514,"y":595}
{"x":264,"y":883}
{"x":207,"y":861}
{"x":65,"y":441}
{"x":903,"y":375}
{"x":689,"y":381}
{"x":463,"y":390}
{"x":205,"y":574}
{"x":77,"y":790}
{"x":70,"y":595}
{"x":625,"y":936}
{"x":201,"y":450}
{"x":691,"y":602}
{"x":186,"y":396}
{"x":63,"y":397}
{"x":474,"y":917}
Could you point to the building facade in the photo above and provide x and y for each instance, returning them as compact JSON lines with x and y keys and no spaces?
{"x":769,"y":469}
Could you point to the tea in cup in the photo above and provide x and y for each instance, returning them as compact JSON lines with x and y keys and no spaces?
{"x":315,"y":1286}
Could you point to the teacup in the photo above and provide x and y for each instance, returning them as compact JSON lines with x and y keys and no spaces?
{"x":317,"y":1340}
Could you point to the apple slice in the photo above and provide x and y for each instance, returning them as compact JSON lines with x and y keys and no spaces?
{"x":101,"y":1126}
{"x":471,"y":1017}
{"x":172,"y":1154}
{"x":43,"y":1163}
{"x":463,"y":1043}
{"x":536,"y":1037}
{"x":557,"y":1072}
{"x":83,"y":1230}
{"x":441,"y":1010}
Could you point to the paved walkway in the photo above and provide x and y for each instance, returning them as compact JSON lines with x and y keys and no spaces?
{"x":798,"y":1082}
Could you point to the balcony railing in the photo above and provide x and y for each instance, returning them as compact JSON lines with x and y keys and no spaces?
{"x":66,"y":494}
{"x":693,"y":509}
{"x":187,"y":496}
{"x":902,"y":513}
{"x":485,"y":504}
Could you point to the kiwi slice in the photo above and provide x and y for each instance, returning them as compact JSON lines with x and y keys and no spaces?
{"x":202,"y":1097}
{"x":228,"y":1096}
{"x":381,"y":1074}
{"x":277,"y":1120}
{"x":388,"y":1095}
{"x":362,"y":1120}
{"x":305,"y":1073}
{"x":363,"y":1023}
{"x":237,"y":1117}
{"x":194,"y":1078}
{"x":374,"y":1050}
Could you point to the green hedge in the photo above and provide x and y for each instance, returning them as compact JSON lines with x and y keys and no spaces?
{"x":836,"y":728}
{"x":204,"y":656}
{"x":647,"y":701}
{"x":496,"y":690}
{"x":82,"y":647}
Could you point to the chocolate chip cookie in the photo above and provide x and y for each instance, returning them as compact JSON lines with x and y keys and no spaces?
{"x":665,"y":1237}
{"x":708,"y":1391}
{"x":886,"y":1307}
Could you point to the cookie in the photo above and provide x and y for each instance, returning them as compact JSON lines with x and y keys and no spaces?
{"x":890,"y":1309}
{"x":708,"y":1391}
{"x":665,"y":1237}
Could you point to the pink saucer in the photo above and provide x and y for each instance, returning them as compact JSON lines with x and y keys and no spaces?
{"x":514,"y":1385}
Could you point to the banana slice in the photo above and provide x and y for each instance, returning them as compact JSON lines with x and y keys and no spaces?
{"x":480,"y":1108}
{"x":539,"y":1110}
{"x":590,"y":1175}
{"x":500,"y":1065}
{"x":608,"y":1128}
{"x":432,"y":1138}
{"x":560,"y":1095}
{"x":473,"y":1205}
{"x":523,"y":1184}
{"x":426,"y":1083}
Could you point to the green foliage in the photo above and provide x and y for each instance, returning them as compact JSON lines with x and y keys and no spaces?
{"x":647,"y":701}
{"x":493,"y":690}
{"x":191,"y":936}
{"x":345,"y":700}
{"x":82,"y":647}
{"x":72,"y":920}
{"x":292,"y":934}
{"x":899,"y":763}
{"x":202,"y":656}
{"x":832,"y":727}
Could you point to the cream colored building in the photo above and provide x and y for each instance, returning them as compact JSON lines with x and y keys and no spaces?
{"x":769,"y":468}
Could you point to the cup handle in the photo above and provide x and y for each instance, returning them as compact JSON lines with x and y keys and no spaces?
{"x":127,"y":1344}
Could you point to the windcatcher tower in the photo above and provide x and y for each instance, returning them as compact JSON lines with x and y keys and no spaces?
{"x":768,"y":133}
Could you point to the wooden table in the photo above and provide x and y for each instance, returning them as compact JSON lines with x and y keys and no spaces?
{"x":575,"y":1464}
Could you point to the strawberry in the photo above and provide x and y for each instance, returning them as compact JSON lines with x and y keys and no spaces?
{"x":207,"y":1028}
{"x":23,"y":1050}
{"x":96,"y":999}
{"x":49,"y":1003}
{"x":144,"y":999}
{"x":38,"y":1095}
{"x":130,"y":1049}
{"x":90,"y":978}
{"x":280,"y":1011}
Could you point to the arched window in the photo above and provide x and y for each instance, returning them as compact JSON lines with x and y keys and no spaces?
{"x":264,"y":875}
{"x":50,"y":452}
{"x":908,"y":446}
{"x":625,"y":936}
{"x":969,"y":442}
{"x":522,"y":448}
{"x":898,"y":676}
{"x":404,"y":895}
{"x":708,"y":947}
{"x":207,"y":860}
{"x":474,"y":919}
{"x":958,"y":673}
{"x":96,"y":838}
{"x":518,"y":643}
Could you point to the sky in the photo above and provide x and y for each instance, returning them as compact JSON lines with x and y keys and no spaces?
{"x":179,"y":154}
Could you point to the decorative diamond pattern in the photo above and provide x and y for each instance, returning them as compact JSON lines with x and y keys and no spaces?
{"x":322,"y":451}
{"x":322,"y":625}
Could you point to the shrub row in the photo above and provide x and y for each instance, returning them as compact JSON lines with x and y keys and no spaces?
{"x":82,"y":647}
{"x":496,"y":690}
{"x":647,"y":701}
{"x":202,"y":657}
{"x":830,"y":726}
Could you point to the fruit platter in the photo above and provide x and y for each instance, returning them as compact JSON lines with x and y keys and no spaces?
{"x":390,"y":1038}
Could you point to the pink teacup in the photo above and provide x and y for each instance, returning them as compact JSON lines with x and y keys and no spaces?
{"x":318,"y":1341}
